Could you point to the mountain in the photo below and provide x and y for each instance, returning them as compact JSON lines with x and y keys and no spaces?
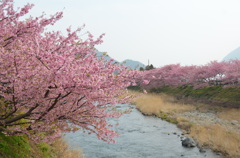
{"x":235,"y":54}
{"x":133,"y":64}
{"x":104,"y":55}
{"x":128,"y":62}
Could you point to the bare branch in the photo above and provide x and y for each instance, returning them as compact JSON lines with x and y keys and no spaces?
{"x":19,"y":117}
{"x":51,"y":107}
{"x":42,"y":62}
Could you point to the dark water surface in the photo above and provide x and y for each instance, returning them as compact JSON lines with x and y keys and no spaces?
{"x":141,"y":137}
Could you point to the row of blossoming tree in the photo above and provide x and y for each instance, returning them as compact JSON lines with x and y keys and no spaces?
{"x":214,"y":73}
{"x":51,"y":83}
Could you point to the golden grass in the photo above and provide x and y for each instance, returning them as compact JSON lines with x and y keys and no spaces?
{"x":215,"y":137}
{"x":184,"y":124}
{"x":154,"y":103}
{"x":61,"y":150}
{"x":218,"y":138}
{"x":230,"y":114}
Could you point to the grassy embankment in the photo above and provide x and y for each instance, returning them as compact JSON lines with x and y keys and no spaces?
{"x":20,"y":147}
{"x":217,"y":95}
{"x":214,"y":136}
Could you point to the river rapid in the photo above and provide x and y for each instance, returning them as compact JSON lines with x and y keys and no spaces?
{"x":141,"y":137}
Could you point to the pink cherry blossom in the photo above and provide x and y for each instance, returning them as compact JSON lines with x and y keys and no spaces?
{"x":214,"y":73}
{"x":51,"y":83}
{"x":146,"y":82}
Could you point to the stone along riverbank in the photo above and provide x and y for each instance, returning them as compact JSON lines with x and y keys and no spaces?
{"x":211,"y":126}
{"x":141,"y":137}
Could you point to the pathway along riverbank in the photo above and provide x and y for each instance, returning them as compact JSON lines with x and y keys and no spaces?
{"x":213,"y":127}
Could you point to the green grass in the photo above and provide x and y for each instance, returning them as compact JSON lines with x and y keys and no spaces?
{"x":14,"y":146}
{"x":135,"y":88}
{"x":166,"y":117}
{"x":216,"y":94}
{"x":20,"y":147}
{"x":45,"y":150}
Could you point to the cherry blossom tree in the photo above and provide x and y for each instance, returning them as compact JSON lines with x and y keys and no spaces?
{"x":214,"y":73}
{"x":51,"y":83}
{"x":231,"y":76}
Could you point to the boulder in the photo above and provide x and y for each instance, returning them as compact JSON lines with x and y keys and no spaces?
{"x":188,"y":142}
{"x":234,"y":122}
{"x":201,"y":150}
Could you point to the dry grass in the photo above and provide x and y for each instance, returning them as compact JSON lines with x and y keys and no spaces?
{"x":61,"y":150}
{"x":218,"y":138}
{"x":154,"y":103}
{"x":184,"y":124}
{"x":215,"y":136}
{"x":230,"y":114}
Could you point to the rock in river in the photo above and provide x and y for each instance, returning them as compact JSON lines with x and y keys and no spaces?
{"x":188,"y":142}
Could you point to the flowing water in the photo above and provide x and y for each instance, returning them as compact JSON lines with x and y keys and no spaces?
{"x":141,"y":137}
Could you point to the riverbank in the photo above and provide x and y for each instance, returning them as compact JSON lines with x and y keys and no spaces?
{"x":22,"y":147}
{"x":140,"y":137}
{"x":211,"y":126}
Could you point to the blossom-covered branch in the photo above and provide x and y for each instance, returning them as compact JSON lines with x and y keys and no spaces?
{"x":51,"y":83}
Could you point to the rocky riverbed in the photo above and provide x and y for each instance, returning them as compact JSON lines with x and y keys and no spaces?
{"x":211,"y":126}
{"x":210,"y":118}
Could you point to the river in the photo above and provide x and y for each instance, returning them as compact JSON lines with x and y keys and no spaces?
{"x":141,"y":137}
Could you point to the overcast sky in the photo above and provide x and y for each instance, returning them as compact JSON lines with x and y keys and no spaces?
{"x":189,"y":32}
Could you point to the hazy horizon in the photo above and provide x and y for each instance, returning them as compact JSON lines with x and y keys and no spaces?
{"x":161,"y":31}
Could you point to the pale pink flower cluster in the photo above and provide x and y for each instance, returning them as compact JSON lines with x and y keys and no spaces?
{"x":214,"y":73}
{"x":51,"y":83}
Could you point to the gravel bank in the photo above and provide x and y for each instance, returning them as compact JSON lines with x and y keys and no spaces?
{"x":210,"y":118}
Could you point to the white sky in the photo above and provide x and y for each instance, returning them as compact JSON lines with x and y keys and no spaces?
{"x":163,"y":31}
